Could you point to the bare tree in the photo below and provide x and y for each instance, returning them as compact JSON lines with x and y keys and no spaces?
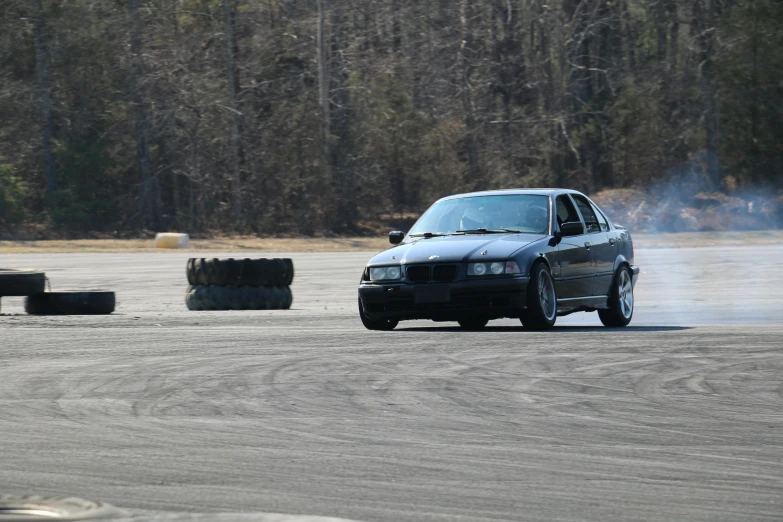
{"x":232,"y":74}
{"x":44,"y":94}
{"x":150,"y":189}
{"x":466,"y":51}
{"x":323,"y":86}
{"x":705,"y":17}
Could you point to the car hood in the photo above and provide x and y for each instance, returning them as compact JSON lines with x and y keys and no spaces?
{"x":452,"y":249}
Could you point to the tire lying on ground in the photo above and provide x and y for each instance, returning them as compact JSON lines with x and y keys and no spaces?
{"x":240,"y":272}
{"x":206,"y":298}
{"x":71,"y":303}
{"x":27,"y":508}
{"x":172,"y":240}
{"x":21,"y":282}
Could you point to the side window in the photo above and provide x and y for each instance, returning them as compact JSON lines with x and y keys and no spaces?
{"x":565,"y":211}
{"x":591,"y":222}
{"x":601,"y":219}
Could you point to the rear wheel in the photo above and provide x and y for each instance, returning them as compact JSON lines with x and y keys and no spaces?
{"x":541,"y":312}
{"x":376,"y":324}
{"x":620,"y":311}
{"x":473,"y":323}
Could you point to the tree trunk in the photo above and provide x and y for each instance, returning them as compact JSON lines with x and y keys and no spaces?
{"x":674,"y":36}
{"x":466,"y":46}
{"x":323,"y":89}
{"x":232,"y":74}
{"x":754,"y":99}
{"x":705,"y":20}
{"x":45,"y":96}
{"x":150,"y":190}
{"x":396,"y":27}
{"x":341,"y":121}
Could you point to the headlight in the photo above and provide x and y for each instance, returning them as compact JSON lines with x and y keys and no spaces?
{"x":386,"y":273}
{"x":496,"y":268}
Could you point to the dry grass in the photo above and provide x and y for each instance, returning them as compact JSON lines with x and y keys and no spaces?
{"x":199,"y":245}
{"x":374,"y":244}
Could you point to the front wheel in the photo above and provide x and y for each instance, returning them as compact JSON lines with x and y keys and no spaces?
{"x":376,"y":324}
{"x":541,"y":312}
{"x":620,"y":311}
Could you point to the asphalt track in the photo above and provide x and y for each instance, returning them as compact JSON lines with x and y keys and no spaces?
{"x":157,"y":409}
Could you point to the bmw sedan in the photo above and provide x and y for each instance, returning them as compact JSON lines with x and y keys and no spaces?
{"x":531,"y":255}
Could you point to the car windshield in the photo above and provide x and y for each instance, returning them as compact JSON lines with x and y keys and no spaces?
{"x":485,"y":214}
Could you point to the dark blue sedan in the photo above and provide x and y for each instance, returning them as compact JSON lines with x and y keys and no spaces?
{"x":527,"y":254}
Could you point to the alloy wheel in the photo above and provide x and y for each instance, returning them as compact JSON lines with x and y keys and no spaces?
{"x":625,"y":289}
{"x":546,"y":295}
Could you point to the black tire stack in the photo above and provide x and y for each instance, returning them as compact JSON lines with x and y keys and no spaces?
{"x":32,"y":285}
{"x":21,"y":283}
{"x":239,"y":284}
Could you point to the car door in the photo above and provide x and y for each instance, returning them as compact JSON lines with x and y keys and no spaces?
{"x":604,"y":250}
{"x":605,"y":277}
{"x":575,"y":271}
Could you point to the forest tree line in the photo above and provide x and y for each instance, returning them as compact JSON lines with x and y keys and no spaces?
{"x":316,"y":116}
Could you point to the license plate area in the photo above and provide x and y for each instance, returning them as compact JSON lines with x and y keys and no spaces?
{"x":432,"y":294}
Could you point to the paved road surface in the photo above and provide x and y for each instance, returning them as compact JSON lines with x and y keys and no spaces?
{"x":679,"y":417}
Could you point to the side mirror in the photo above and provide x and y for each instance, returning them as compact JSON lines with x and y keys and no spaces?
{"x":572,"y":228}
{"x":396,"y":237}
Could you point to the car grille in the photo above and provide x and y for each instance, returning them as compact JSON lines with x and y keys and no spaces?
{"x":426,"y":273}
{"x":444,"y":273}
{"x":418,"y":274}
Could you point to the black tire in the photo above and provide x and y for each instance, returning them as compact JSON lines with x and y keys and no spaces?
{"x":19,"y":508}
{"x":376,"y":324}
{"x":71,"y":303}
{"x":240,"y":272}
{"x":210,"y":298}
{"x":621,"y":300}
{"x":541,"y":313}
{"x":473,"y":323}
{"x":21,"y":282}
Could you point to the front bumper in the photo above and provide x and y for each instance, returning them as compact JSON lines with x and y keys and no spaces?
{"x":485,"y":298}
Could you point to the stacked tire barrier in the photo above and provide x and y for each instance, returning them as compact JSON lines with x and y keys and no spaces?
{"x":239,"y":284}
{"x":32,"y":285}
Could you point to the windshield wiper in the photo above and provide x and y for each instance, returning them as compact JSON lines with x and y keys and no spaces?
{"x":462,"y":232}
{"x":487,"y":231}
{"x":429,"y":234}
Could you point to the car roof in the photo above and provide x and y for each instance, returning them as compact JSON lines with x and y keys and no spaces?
{"x":512,"y":192}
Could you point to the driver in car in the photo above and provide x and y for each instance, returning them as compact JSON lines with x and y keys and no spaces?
{"x":475,"y":216}
{"x":533,"y":218}
{"x":536,"y":219}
